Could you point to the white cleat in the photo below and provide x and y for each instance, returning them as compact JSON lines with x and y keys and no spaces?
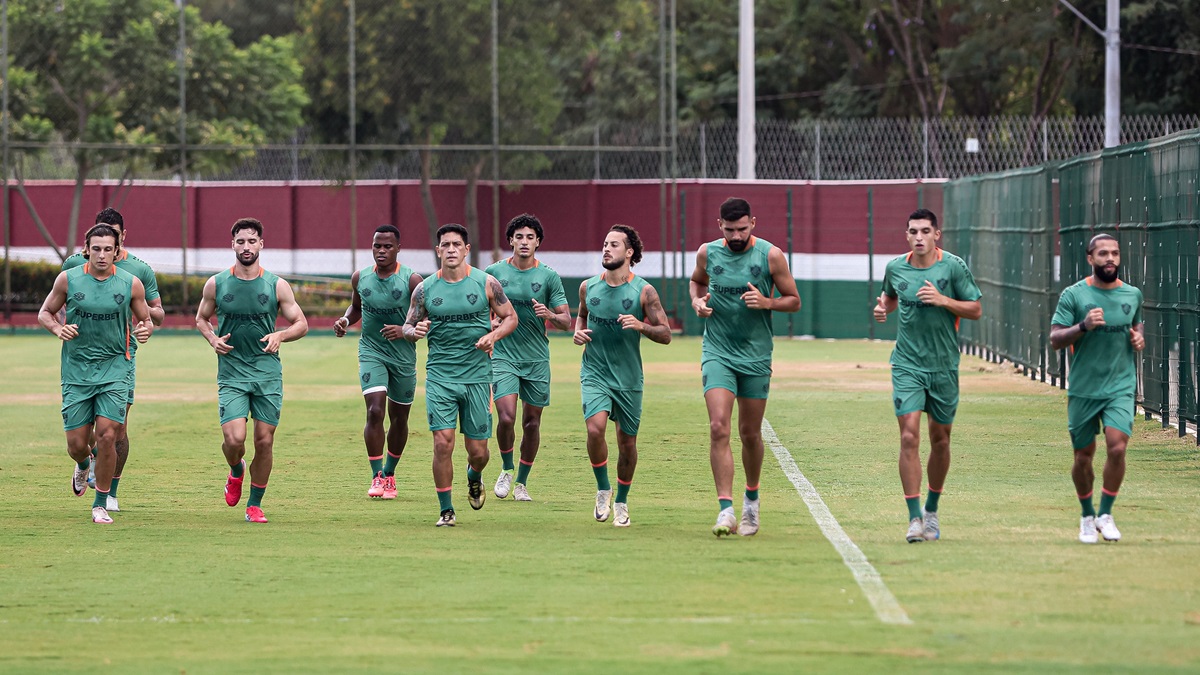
{"x":79,"y":481}
{"x":446,"y":519}
{"x":603,"y":497}
{"x":1087,"y":529}
{"x":111,"y":504}
{"x":521,"y":494}
{"x":620,"y":514}
{"x":1108,"y":529}
{"x":749,"y":525}
{"x":726,"y":523}
{"x":916,"y":531}
{"x":99,"y":515}
{"x":503,"y":485}
{"x":933,"y":530}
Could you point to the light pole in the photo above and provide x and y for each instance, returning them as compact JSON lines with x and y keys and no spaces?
{"x":1112,"y":67}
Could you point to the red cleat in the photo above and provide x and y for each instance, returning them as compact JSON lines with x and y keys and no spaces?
{"x":389,"y":487}
{"x":255,"y":515}
{"x":377,"y":488}
{"x":233,"y":488}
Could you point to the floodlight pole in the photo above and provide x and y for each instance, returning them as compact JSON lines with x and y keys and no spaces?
{"x":495,"y":131}
{"x":4,"y":140}
{"x":181,"y":65}
{"x":1112,"y":67}
{"x":353,"y":94}
{"x":746,"y":111}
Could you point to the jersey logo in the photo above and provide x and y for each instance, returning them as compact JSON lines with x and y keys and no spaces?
{"x":593,"y":301}
{"x":262,"y":298}
{"x":366,"y":377}
{"x":897,"y":403}
{"x":1125,"y":307}
{"x":120,"y":297}
{"x":535,"y":286}
{"x":903,"y":285}
{"x":755,"y":270}
{"x":504,"y":283}
{"x":472,"y":297}
{"x":1089,"y":307}
{"x":79,"y":297}
{"x":397,"y":293}
{"x":228,"y":297}
{"x":366,"y":292}
{"x":941,"y":284}
{"x":704,"y":380}
{"x":627,"y":303}
{"x":437,"y":302}
{"x":408,"y":393}
{"x":718,"y":270}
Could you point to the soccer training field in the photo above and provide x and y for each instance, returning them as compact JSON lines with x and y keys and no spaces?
{"x":337,"y":582}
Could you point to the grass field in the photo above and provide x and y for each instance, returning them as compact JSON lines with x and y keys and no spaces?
{"x":339,"y":583}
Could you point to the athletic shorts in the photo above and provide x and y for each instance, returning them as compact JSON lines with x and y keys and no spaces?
{"x":83,"y":403}
{"x":718,"y":375}
{"x":623,"y":407}
{"x":378,"y":375}
{"x":1084,"y":416}
{"x":448,"y":404}
{"x":261,"y":400}
{"x":530,"y":380}
{"x":132,"y":379}
{"x":935,"y":393}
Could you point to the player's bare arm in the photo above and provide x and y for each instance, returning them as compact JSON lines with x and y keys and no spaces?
{"x":52,"y":309}
{"x":290,"y":310}
{"x":157,"y":313}
{"x":353,"y":313}
{"x":502,"y":309}
{"x":144,"y":327}
{"x":698,"y":286}
{"x":559,"y":317}
{"x":583,"y":334}
{"x":204,"y":315}
{"x":1137,"y":337}
{"x":964,"y":309}
{"x":785,"y":283}
{"x":416,"y":325}
{"x":655,"y":326}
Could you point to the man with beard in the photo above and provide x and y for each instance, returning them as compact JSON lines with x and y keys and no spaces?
{"x":933,"y":290}
{"x":522,"y":362}
{"x":387,"y":363}
{"x":732,"y":287}
{"x":616,"y":309}
{"x":1100,"y":318}
{"x":247,"y":299}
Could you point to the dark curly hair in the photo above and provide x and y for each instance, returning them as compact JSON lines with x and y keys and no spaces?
{"x":632,"y":238}
{"x":524,"y":220}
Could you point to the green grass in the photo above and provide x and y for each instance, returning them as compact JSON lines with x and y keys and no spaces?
{"x":337,"y":582}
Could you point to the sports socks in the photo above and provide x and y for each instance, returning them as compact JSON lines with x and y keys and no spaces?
{"x":473,"y":476}
{"x":376,"y":465}
{"x":101,"y":499}
{"x":112,"y":490}
{"x":914,"y":505}
{"x":84,"y":464}
{"x":1106,"y":502}
{"x":622,"y":491}
{"x":389,"y":465}
{"x":256,"y":495}
{"x":751,"y":493}
{"x":601,"y":471}
{"x":1085,"y":501}
{"x":931,"y":500}
{"x":238,"y":470}
{"x":444,"y":501}
{"x":523,"y":471}
{"x":725,"y":502}
{"x":506,"y":456}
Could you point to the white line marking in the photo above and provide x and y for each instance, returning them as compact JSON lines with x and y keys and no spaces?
{"x":886,"y":607}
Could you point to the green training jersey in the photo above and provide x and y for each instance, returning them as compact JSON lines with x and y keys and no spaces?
{"x":459,"y":314}
{"x":528,"y":343}
{"x":735,"y":334}
{"x":246,"y":311}
{"x":385,"y":302}
{"x":100,"y":353}
{"x":614,"y":356}
{"x":132,"y":264}
{"x":927,"y":340}
{"x":1103,"y":363}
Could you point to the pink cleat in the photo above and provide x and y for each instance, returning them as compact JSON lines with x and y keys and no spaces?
{"x":233,"y":487}
{"x":377,"y":489}
{"x":255,"y":515}
{"x":389,"y":487}
{"x":99,"y":515}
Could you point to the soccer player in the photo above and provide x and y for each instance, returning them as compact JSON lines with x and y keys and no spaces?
{"x":105,"y":306}
{"x":247,"y":299}
{"x":387,"y":363}
{"x":732,"y":287}
{"x":139,"y":269}
{"x":453,"y":309}
{"x":1100,"y":319}
{"x":933,"y":290}
{"x":521,"y":363}
{"x":616,"y":309}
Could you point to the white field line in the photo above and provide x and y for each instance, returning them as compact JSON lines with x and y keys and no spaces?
{"x":886,"y":607}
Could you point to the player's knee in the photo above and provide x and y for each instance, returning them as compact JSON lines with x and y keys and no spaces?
{"x":506,"y":418}
{"x":718,"y":429}
{"x":1116,"y":451}
{"x":909,"y":440}
{"x":374,"y":414}
{"x":531,"y":424}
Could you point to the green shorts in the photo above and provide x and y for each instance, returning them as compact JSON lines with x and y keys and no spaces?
{"x":132,"y":379}
{"x":1084,"y":416}
{"x":935,"y":393}
{"x":623,"y":407}
{"x":377,"y":375}
{"x":447,"y":403}
{"x":530,"y":380}
{"x":717,"y":375}
{"x":83,"y":403}
{"x":261,"y":400}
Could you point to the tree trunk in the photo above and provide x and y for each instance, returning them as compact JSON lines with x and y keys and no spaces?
{"x":471,"y":211}
{"x":427,"y":204}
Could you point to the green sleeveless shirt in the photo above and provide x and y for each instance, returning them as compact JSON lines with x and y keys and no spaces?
{"x":736,"y":335}
{"x":100,"y":353}
{"x":614,"y":357}
{"x":459,"y":314}
{"x":246,"y":310}
{"x":385,"y":303}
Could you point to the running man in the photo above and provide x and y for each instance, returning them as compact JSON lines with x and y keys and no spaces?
{"x":732,"y":287}
{"x":453,"y":309}
{"x":142,"y":271}
{"x":933,"y":290}
{"x":105,"y":306}
{"x":247,"y":300}
{"x":616,"y":309}
{"x":521,"y":363}
{"x":1100,"y":319}
{"x":387,"y":363}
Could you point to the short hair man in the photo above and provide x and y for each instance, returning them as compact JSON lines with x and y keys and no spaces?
{"x":933,"y":290}
{"x":521,"y":363}
{"x":1100,"y":319}
{"x":387,"y":363}
{"x":733,"y":288}
{"x":105,"y":306}
{"x":616,"y":309}
{"x":247,"y":299}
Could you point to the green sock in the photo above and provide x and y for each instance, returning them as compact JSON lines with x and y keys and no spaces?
{"x":622,"y":492}
{"x":523,"y":471}
{"x":256,"y":495}
{"x":101,"y":499}
{"x":725,"y":503}
{"x":914,"y":506}
{"x":473,"y":476}
{"x":444,"y":500}
{"x":237,"y":470}
{"x":506,"y":456}
{"x":389,"y":464}
{"x":1106,"y":502}
{"x":602,"y":477}
{"x":1086,"y":503}
{"x":752,"y":495}
{"x":931,"y":501}
{"x":376,"y":465}
{"x":112,"y":489}
{"x":84,"y":464}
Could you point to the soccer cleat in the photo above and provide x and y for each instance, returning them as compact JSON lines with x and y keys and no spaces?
{"x":520,"y":494}
{"x":99,"y":515}
{"x":1087,"y":529}
{"x":475,"y":494}
{"x":749,"y":524}
{"x":726,"y":523}
{"x":376,"y":489}
{"x":79,"y":481}
{"x":602,"y":505}
{"x":389,"y":487}
{"x":446,"y":519}
{"x":92,"y":472}
{"x":916,"y":531}
{"x":110,"y":503}
{"x":233,"y":490}
{"x":1108,"y":529}
{"x":255,"y":515}
{"x":503,"y":485}
{"x":932,"y":531}
{"x":620,"y":514}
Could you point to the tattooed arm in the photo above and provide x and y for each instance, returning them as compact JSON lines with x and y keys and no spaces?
{"x":655,"y":326}
{"x":503,"y":310}
{"x":416,"y":326}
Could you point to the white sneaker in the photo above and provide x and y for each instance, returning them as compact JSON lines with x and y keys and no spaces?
{"x":99,"y":515}
{"x":749,"y":524}
{"x":79,"y":481}
{"x":602,"y":508}
{"x":726,"y":523}
{"x":111,"y":504}
{"x":1087,"y":529}
{"x":620,"y":514}
{"x":521,"y":494}
{"x":932,"y":531}
{"x":446,"y":519}
{"x":503,"y":485}
{"x":92,"y":472}
{"x":1108,"y":529}
{"x":916,"y":531}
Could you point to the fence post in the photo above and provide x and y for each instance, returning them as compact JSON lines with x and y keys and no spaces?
{"x":1045,"y":141}
{"x":703,"y":150}
{"x":791,"y":328}
{"x":818,"y":153}
{"x":596,"y":150}
{"x":925,"y":172}
{"x":871,"y":257}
